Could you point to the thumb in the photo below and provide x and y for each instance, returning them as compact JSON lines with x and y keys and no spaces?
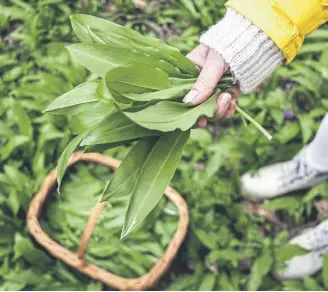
{"x":212,"y":71}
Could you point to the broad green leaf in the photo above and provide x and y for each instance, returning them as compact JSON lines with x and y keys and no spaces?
{"x":105,"y":147}
{"x":116,"y":128}
{"x":325,"y":270}
{"x":82,"y":94}
{"x":87,"y":27}
{"x":311,"y":284}
{"x":24,"y":247}
{"x":183,"y":81}
{"x":224,"y":283}
{"x":90,"y":115}
{"x":307,"y":127}
{"x":293,"y":285}
{"x":124,"y":178}
{"x":125,"y":79}
{"x":316,"y":191}
{"x":189,"y":5}
{"x":100,"y":58}
{"x":169,"y":116}
{"x":166,"y":94}
{"x":287,"y":133}
{"x":260,"y":268}
{"x":208,"y":283}
{"x":135,"y":79}
{"x":154,"y":177}
{"x":283,"y":203}
{"x":13,"y":144}
{"x":313,"y":48}
{"x":278,"y":115}
{"x":318,"y":34}
{"x":13,"y":202}
{"x":65,"y":156}
{"x":289,"y":251}
{"x":23,"y":121}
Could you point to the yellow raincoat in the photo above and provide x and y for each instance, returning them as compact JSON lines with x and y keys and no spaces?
{"x":286,"y":22}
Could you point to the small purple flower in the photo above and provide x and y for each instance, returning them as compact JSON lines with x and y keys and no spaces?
{"x":288,"y":114}
{"x":289,"y":86}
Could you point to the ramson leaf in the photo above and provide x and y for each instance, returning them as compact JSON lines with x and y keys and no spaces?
{"x":65,"y":156}
{"x":154,"y":177}
{"x":90,"y":29}
{"x":169,"y":116}
{"x":82,"y":94}
{"x":116,"y":128}
{"x":100,"y":58}
{"x":124,"y":178}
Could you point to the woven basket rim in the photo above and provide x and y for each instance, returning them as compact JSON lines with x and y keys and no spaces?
{"x":77,"y":261}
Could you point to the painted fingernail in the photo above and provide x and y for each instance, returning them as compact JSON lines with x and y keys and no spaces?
{"x":226,"y":98}
{"x":191,"y":96}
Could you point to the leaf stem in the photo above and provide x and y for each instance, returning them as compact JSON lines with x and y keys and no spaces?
{"x":255,"y":123}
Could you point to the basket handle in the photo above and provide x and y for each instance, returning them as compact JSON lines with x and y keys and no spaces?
{"x":87,"y":232}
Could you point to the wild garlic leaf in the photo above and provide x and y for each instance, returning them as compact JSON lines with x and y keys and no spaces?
{"x":87,"y":26}
{"x":65,"y":156}
{"x":165,"y":94}
{"x":22,"y":119}
{"x":260,"y":268}
{"x":89,"y":116}
{"x":145,"y":77}
{"x":100,"y":58}
{"x":122,"y":81}
{"x":169,"y":116}
{"x":116,"y":128}
{"x":124,"y":178}
{"x":154,"y":177}
{"x":81,"y":94}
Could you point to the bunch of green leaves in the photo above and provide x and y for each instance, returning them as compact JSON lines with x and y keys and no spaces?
{"x":139,"y":98}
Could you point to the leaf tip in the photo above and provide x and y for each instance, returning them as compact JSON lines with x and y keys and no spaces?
{"x":128,"y":228}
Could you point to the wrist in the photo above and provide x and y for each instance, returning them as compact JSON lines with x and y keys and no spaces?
{"x":252,"y":56}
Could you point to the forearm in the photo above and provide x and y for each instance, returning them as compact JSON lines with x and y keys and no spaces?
{"x":255,"y":36}
{"x":250,"y":53}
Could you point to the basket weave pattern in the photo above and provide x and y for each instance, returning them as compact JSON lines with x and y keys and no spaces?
{"x":77,"y":260}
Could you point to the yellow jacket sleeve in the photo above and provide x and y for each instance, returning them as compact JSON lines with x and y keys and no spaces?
{"x":286,"y":22}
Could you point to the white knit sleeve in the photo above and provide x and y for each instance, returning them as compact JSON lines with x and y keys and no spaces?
{"x":250,"y":53}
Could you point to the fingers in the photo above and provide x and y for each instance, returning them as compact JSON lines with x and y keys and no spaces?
{"x":234,"y":90}
{"x":213,"y":69}
{"x":202,"y":123}
{"x":226,"y":105}
{"x":223,"y":105}
{"x":198,"y":55}
{"x":226,"y":108}
{"x":231,"y":110}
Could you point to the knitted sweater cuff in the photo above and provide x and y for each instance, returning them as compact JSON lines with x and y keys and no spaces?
{"x":250,"y":53}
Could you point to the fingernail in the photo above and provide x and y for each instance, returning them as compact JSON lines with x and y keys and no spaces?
{"x":191,"y":96}
{"x":226,"y":98}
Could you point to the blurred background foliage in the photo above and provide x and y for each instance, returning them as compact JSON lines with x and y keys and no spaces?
{"x":229,"y":245}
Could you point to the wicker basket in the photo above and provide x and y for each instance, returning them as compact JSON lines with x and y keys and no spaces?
{"x":77,"y":260}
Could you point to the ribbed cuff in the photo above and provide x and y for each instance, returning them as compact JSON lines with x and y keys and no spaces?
{"x":250,"y":53}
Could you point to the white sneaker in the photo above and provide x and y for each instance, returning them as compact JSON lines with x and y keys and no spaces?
{"x":316,"y":241}
{"x":281,"y":178}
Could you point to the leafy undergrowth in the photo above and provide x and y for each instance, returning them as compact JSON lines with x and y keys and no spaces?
{"x":229,"y":245}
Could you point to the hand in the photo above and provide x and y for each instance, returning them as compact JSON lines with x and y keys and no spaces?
{"x":212,"y":67}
